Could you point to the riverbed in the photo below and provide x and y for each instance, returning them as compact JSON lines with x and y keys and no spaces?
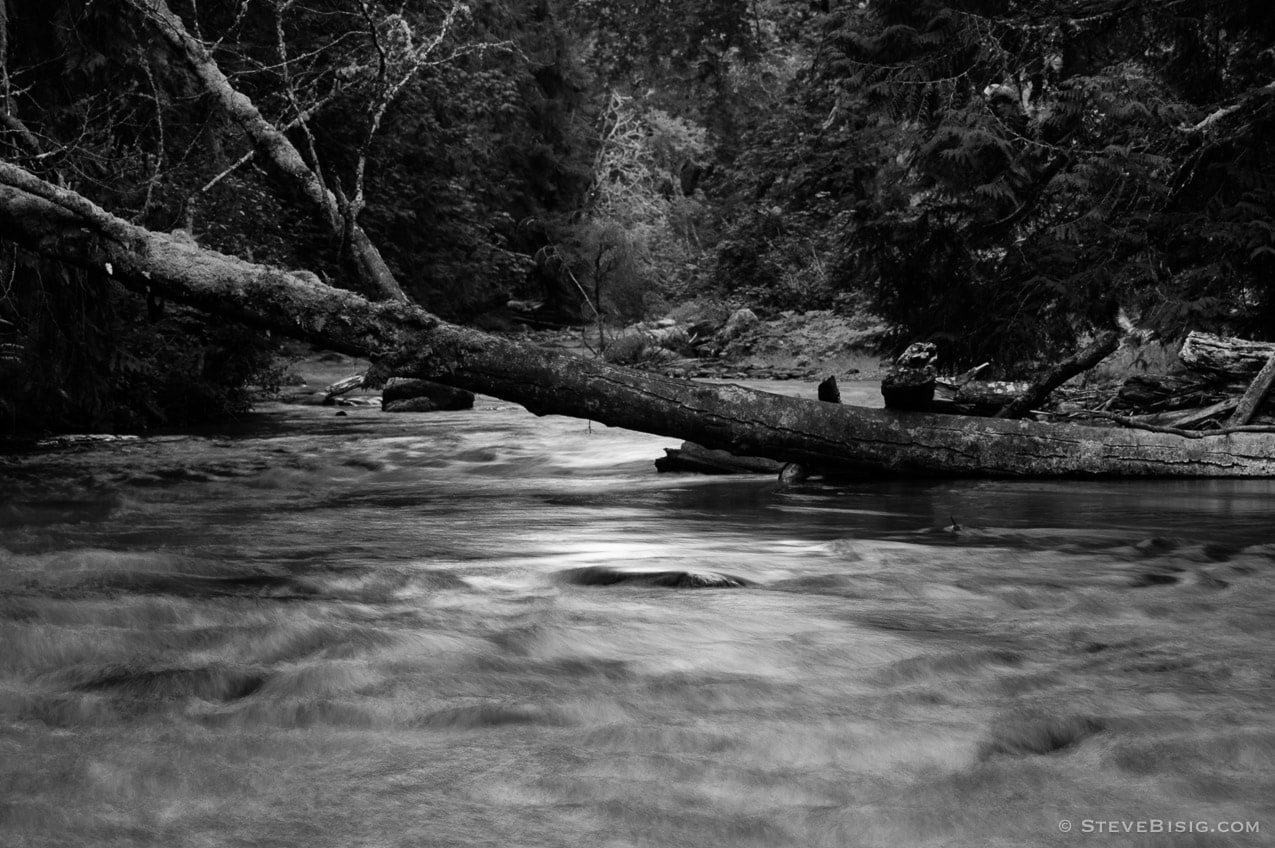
{"x":481,"y":628}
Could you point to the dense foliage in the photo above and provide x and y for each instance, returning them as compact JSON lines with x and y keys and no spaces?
{"x":1002,"y":177}
{"x":76,"y":351}
{"x":466,"y":159}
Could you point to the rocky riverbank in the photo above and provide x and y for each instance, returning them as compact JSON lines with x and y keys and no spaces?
{"x":783,"y":346}
{"x":786,"y":346}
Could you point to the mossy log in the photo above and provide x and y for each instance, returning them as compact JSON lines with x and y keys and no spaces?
{"x":404,"y":340}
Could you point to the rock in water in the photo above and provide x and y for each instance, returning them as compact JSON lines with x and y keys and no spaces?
{"x":794,"y":472}
{"x":740,"y":321}
{"x":910,"y":384}
{"x":423,"y":396}
{"x":420,"y":404}
{"x":601,"y":575}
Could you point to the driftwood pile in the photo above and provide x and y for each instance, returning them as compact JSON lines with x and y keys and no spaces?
{"x":1223,"y":386}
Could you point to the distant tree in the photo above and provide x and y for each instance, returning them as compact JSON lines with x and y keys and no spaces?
{"x":683,"y":81}
{"x":794,"y":178}
{"x":632,"y":243}
{"x":483,"y":161}
{"x":1005,"y":176}
{"x":1060,"y":161}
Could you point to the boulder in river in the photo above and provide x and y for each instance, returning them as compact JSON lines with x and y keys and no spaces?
{"x":601,"y":575}
{"x":910,"y":384}
{"x":423,"y":396}
{"x":740,"y":321}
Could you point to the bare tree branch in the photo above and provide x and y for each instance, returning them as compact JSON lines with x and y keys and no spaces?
{"x":400,"y":60}
{"x":251,"y":154}
{"x":375,"y":276}
{"x":281,"y":45}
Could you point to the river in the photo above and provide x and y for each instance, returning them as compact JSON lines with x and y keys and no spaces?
{"x":380,"y":630}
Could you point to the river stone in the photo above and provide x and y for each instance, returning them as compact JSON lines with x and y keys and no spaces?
{"x":740,"y":321}
{"x":420,"y":404}
{"x":910,"y":384}
{"x":601,"y":575}
{"x":423,"y":396}
{"x":1040,"y":736}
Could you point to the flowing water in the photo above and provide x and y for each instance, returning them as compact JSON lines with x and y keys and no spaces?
{"x":482,"y":629}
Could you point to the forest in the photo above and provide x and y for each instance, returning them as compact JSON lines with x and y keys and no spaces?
{"x":1004,"y":179}
{"x":1006,"y":580}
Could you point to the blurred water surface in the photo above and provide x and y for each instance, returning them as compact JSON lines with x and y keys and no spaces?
{"x":434,"y":630}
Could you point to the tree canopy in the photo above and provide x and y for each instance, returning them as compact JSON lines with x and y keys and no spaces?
{"x":1001,"y":177}
{"x":1006,"y":176}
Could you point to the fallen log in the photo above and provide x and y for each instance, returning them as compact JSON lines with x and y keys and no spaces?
{"x":1224,"y":355}
{"x":1254,"y":394}
{"x":342,"y":387}
{"x":1196,"y":418}
{"x":975,"y":397}
{"x":404,"y":340}
{"x":1162,"y":393}
{"x":701,"y":460}
{"x":1093,"y":353}
{"x":990,"y":393}
{"x":1151,"y":426}
{"x":698,"y":459}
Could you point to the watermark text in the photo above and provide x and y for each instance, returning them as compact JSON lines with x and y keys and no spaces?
{"x":1123,"y":826}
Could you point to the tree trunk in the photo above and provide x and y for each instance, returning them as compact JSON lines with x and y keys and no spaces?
{"x":405,"y":340}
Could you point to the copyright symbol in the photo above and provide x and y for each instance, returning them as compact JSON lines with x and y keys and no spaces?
{"x":1064,"y":826}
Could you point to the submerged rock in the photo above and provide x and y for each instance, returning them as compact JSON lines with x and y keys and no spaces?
{"x":1048,"y":735}
{"x":601,"y":575}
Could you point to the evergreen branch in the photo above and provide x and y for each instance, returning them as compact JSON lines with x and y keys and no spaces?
{"x":1225,"y":112}
{"x":1080,"y":13}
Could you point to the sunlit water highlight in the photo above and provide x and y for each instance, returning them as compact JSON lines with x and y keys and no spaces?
{"x":424,"y":631}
